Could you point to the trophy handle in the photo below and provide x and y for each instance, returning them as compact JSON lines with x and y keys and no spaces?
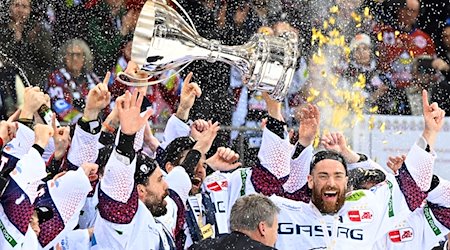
{"x":132,"y":81}
{"x":186,"y":14}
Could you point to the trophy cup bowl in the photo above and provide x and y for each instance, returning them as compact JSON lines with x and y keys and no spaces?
{"x":163,"y":40}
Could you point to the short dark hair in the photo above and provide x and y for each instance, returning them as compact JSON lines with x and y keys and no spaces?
{"x":145,"y":166}
{"x":326,"y":154}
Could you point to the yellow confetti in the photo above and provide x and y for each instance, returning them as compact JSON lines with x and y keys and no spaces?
{"x":380,"y":36}
{"x":366,"y":11}
{"x":356,"y":17}
{"x":325,"y":24}
{"x":385,"y":142}
{"x":334,"y":9}
{"x":321,"y":104}
{"x":362,"y":78}
{"x":373,"y":109}
{"x":332,"y":20}
{"x":383,"y":127}
{"x":371,"y":122}
{"x":396,"y":33}
{"x":319,"y":59}
{"x":411,"y":53}
{"x":377,"y":53}
{"x":334,"y":33}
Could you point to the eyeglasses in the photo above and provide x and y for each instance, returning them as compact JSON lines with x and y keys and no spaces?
{"x":75,"y":54}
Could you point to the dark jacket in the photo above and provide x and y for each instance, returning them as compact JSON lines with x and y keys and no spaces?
{"x":235,"y":240}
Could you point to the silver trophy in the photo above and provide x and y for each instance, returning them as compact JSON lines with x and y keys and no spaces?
{"x":163,"y":41}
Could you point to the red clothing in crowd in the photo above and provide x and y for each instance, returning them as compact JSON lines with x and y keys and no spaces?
{"x":68,"y":94}
{"x":397,"y":51}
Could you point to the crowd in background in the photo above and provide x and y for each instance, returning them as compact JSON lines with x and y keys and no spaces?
{"x":65,"y":47}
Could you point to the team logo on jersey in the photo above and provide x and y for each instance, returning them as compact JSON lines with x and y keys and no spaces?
{"x":360,"y":215}
{"x":217,"y":186}
{"x":401,"y":235}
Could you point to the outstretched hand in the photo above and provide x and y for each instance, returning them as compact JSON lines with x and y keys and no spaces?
{"x":98,"y":98}
{"x":337,"y":142}
{"x":433,"y":118}
{"x":309,"y":119}
{"x":224,"y":160}
{"x":189,"y":92}
{"x":207,"y":137}
{"x":129,"y":107}
{"x":395,"y":162}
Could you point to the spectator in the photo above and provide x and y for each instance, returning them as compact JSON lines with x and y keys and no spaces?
{"x":254,"y":225}
{"x":441,"y":93}
{"x":363,"y":63}
{"x":69,"y":85}
{"x":399,"y":44}
{"x":108,"y":24}
{"x":26,"y":42}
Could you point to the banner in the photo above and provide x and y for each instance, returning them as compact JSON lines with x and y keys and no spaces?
{"x":381,"y":136}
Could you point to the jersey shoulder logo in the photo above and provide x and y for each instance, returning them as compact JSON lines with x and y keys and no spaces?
{"x":401,"y":235}
{"x":356,"y":195}
{"x":365,"y":215}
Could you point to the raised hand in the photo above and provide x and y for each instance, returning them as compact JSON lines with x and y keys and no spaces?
{"x":34,"y":98}
{"x":61,"y":137}
{"x":98,"y":98}
{"x":189,"y":92}
{"x":197,"y":127}
{"x":309,"y":119}
{"x":8,"y":131}
{"x":334,"y":142}
{"x":395,"y":162}
{"x":433,"y":118}
{"x":42,"y":134}
{"x":129,"y":107}
{"x":273,"y":107}
{"x":224,"y":160}
{"x":207,"y":137}
{"x":149,"y":140}
{"x":90,"y":169}
{"x":337,"y":142}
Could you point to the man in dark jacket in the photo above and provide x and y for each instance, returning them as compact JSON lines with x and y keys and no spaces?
{"x":254,"y":225}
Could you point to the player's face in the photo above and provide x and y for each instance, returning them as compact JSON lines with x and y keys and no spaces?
{"x":328,"y":182}
{"x":154,"y":192}
{"x":199,"y":175}
{"x":446,"y":38}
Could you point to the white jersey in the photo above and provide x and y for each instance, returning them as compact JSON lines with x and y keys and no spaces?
{"x":123,"y":221}
{"x":358,"y":224}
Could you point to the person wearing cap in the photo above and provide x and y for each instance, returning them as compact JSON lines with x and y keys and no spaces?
{"x":363,"y":62}
{"x":359,"y":213}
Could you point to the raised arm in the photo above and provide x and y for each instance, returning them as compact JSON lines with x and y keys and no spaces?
{"x":309,"y":119}
{"x":87,"y":131}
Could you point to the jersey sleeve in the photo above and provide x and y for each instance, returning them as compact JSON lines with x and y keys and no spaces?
{"x":299,"y":171}
{"x":275,"y":154}
{"x":179,"y":181}
{"x":441,"y":194}
{"x":118,"y":200}
{"x":83,"y":147}
{"x":67,"y":196}
{"x":21,"y":191}
{"x":420,"y":164}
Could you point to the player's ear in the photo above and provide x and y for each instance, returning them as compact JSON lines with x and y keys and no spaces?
{"x":311,"y":182}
